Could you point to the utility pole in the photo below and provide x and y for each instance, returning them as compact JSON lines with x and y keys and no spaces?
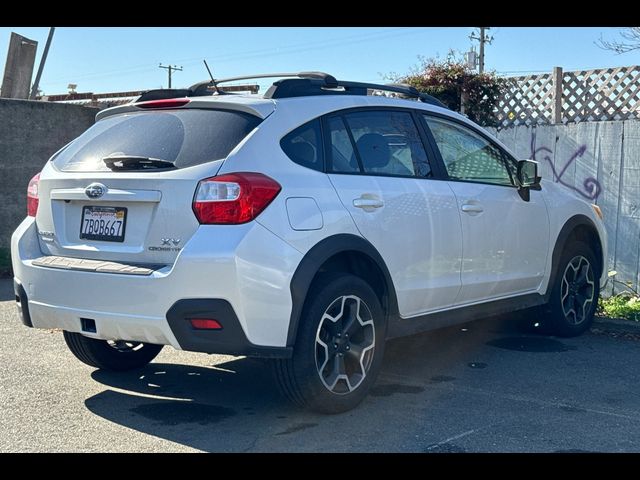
{"x":36,"y":84}
{"x":170,"y":68}
{"x":482,"y":39}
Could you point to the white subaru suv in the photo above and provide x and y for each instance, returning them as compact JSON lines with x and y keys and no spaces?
{"x":307,"y":226}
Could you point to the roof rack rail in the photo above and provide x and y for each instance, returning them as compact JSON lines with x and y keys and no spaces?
{"x":311,"y":86}
{"x":207,"y":87}
{"x":300,"y":84}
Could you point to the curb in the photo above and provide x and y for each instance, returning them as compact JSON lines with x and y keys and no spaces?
{"x":616,"y":325}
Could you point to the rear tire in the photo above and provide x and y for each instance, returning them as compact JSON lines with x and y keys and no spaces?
{"x":574,"y":298}
{"x":117,"y":356}
{"x":339,"y":346}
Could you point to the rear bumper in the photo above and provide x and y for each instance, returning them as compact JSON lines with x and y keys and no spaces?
{"x":245,"y":266}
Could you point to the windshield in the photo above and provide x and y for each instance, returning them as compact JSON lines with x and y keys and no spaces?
{"x":183,"y":137}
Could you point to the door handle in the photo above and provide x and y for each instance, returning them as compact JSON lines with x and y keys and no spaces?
{"x":472,"y":208}
{"x":367,"y":203}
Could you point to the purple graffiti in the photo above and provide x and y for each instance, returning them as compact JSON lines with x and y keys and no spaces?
{"x":592,"y":188}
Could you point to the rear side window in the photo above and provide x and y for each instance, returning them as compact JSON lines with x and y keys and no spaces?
{"x":380,"y":142}
{"x":304,"y":145}
{"x":184,"y":137}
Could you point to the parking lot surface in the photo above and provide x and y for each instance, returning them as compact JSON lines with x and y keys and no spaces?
{"x":480,"y":387}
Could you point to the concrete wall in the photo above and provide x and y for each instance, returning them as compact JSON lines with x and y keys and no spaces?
{"x":599,"y":162}
{"x":30,"y":132}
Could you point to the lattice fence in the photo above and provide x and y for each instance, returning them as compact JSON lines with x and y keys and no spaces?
{"x":564,"y":97}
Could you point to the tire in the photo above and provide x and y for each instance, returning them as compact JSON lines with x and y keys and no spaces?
{"x":574,"y":297}
{"x":324,"y":342}
{"x":114,"y":356}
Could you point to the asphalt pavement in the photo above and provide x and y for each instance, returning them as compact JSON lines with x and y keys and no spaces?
{"x":480,"y":387}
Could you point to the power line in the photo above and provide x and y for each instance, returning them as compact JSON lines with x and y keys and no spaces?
{"x":272,"y":52}
{"x":242,"y":54}
{"x":314,"y":45}
{"x":169,"y":69}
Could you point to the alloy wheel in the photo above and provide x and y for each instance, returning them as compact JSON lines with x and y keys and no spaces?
{"x":345,"y":344}
{"x":577,"y":290}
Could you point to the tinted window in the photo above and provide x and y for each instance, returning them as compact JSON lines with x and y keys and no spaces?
{"x":185,"y":137}
{"x":388,"y":143}
{"x":304,"y":145}
{"x":469,"y":156}
{"x":343,"y":159}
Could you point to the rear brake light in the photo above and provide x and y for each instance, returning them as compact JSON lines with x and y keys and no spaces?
{"x":233,"y":198}
{"x":32,"y":196}
{"x":164,"y":103}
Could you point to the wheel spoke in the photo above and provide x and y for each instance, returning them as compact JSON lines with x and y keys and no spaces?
{"x":581,"y":279}
{"x":350,"y":325}
{"x":337,"y":373}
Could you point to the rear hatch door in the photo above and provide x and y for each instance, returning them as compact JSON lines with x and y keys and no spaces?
{"x":123,"y":190}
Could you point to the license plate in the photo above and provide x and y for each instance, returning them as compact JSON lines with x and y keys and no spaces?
{"x":103,"y":223}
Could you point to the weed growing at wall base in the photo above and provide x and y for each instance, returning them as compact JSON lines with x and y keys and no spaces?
{"x":625,"y":305}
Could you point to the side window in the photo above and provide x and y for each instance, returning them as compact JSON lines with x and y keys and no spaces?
{"x":469,"y":156}
{"x":388,"y":143}
{"x":343,"y":159}
{"x":304,"y":145}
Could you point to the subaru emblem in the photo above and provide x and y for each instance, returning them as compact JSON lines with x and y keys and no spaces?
{"x":95,"y":190}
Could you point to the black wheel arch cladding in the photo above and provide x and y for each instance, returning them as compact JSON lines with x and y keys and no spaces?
{"x":570,"y":227}
{"x":317,"y":256}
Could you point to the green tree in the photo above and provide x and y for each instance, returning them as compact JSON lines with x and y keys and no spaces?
{"x":452,"y":82}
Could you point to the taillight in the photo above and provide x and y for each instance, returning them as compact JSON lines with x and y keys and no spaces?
{"x":233,"y":198}
{"x":32,"y":195}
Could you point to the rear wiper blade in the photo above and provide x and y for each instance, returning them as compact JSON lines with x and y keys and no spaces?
{"x":132,"y":162}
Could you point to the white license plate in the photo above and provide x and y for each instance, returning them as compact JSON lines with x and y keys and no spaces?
{"x":103,"y":223}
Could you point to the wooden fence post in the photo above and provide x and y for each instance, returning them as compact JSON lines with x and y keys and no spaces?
{"x":556,"y":114}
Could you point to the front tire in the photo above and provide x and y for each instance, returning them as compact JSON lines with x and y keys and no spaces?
{"x":574,"y":297}
{"x":118,"y":356}
{"x":339,"y":347}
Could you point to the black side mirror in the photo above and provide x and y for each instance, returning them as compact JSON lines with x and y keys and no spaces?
{"x":527,"y":176}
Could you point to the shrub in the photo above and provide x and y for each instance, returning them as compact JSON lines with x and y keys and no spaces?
{"x":625,"y":304}
{"x":449,"y":79}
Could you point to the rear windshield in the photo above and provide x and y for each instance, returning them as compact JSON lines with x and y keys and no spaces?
{"x":184,"y":137}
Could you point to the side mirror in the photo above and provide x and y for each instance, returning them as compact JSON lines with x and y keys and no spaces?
{"x":527,"y":174}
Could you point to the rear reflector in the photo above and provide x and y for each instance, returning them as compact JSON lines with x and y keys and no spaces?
{"x":205,"y":324}
{"x":164,"y":103}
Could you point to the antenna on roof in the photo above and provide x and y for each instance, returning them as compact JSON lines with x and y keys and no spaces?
{"x":213,"y":80}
